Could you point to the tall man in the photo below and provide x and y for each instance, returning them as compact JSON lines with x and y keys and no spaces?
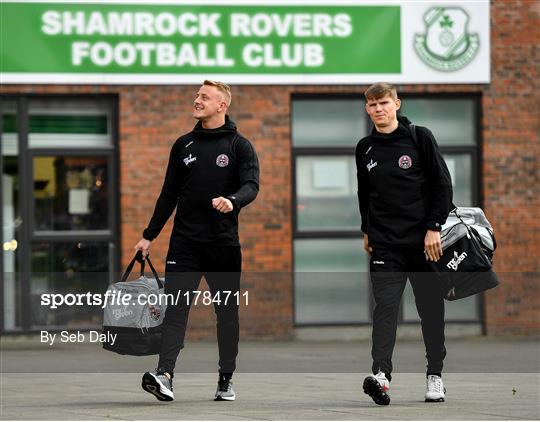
{"x":213,"y":172}
{"x":405,"y":195}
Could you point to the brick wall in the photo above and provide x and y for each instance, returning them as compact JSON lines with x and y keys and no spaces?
{"x":511,"y":170}
{"x":151,"y":117}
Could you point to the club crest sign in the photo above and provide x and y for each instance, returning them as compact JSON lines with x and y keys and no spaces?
{"x":446,"y":45}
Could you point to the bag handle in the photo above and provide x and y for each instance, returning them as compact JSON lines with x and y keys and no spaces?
{"x":139,"y":258}
{"x":154,"y":272}
{"x":470,"y":230}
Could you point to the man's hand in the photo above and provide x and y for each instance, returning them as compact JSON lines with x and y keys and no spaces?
{"x":367,"y":248}
{"x":144,"y":247}
{"x":222,"y":204}
{"x":432,"y":245}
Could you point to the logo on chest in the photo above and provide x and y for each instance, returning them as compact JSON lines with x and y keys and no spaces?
{"x":405,"y":162}
{"x":222,"y":160}
{"x":189,"y":159}
{"x":371,"y":165}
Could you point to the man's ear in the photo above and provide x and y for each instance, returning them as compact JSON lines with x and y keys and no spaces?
{"x":398,"y":103}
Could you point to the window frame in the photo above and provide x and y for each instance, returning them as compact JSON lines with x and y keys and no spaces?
{"x":26,"y":201}
{"x":313,"y":234}
{"x":475,"y":152}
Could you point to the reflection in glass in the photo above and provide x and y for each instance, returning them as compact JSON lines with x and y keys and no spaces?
{"x":68,"y":267}
{"x":326,"y":193}
{"x":70,"y":123}
{"x":70,"y":193}
{"x":460,"y":168}
{"x":328,"y":123}
{"x":331,"y":281}
{"x":452,"y":120}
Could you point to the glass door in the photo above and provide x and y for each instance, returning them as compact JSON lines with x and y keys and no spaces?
{"x":59,"y":207}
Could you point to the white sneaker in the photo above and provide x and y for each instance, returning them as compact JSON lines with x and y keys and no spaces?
{"x":376,"y":387}
{"x":434,"y":389}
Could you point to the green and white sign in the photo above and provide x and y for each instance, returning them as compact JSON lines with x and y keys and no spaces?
{"x":447,"y":45}
{"x":240,"y":42}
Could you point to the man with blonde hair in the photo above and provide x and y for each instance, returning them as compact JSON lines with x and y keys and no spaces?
{"x":213,"y":172}
{"x":405,"y":195}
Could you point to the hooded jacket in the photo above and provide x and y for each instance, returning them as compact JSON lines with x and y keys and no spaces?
{"x":404,"y":188}
{"x":206,"y":164}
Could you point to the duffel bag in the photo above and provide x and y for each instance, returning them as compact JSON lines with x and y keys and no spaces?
{"x":134,"y":327}
{"x":468,"y":244}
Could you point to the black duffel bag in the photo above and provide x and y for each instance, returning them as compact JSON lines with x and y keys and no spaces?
{"x":468,"y":245}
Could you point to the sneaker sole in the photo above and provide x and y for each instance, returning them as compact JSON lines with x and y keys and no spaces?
{"x":219,"y":398}
{"x":154,"y":386}
{"x":374,"y":390}
{"x":435,"y":400}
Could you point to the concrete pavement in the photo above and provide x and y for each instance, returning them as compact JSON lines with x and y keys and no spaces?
{"x":486,"y":379}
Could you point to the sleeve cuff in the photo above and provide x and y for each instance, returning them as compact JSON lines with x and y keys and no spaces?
{"x":434,"y":226}
{"x":234,"y":200}
{"x":146,"y":235}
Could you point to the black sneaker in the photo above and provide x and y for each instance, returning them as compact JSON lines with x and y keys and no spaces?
{"x":376,"y":387}
{"x":225,"y":390}
{"x":158,"y":384}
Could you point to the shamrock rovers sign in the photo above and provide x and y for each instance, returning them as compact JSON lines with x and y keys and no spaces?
{"x":244,"y":42}
{"x":446,"y":45}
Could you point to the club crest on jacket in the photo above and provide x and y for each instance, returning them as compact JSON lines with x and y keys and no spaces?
{"x":405,"y":162}
{"x":222,"y":160}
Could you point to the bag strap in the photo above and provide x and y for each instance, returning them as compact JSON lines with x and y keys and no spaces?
{"x":136,"y":258}
{"x":420,"y":148}
{"x":139,"y":258}
{"x":154,"y":272}
{"x":416,"y":142}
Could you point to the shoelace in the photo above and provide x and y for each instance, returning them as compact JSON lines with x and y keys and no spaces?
{"x":224,"y":385}
{"x":437,"y":384}
{"x":164,"y":377}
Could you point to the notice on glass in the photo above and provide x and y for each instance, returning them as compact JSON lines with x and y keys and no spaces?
{"x":330,"y":174}
{"x":79,"y":201}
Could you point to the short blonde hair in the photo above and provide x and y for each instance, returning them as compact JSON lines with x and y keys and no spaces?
{"x":380,"y":90}
{"x":223,"y":88}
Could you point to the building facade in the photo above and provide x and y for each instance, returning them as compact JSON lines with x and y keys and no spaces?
{"x":83,"y":164}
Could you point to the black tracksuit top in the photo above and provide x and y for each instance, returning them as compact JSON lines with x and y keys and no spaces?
{"x":403,"y":189}
{"x":205,"y":164}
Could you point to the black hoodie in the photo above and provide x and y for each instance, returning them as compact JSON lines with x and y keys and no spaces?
{"x":403,"y":188}
{"x":205,"y":164}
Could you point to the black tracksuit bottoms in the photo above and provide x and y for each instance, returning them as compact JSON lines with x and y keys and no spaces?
{"x":390,"y":269}
{"x":221,"y":267}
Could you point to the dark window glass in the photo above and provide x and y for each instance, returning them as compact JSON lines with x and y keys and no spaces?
{"x":70,"y":193}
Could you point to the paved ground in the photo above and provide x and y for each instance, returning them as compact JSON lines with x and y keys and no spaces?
{"x":486,"y":379}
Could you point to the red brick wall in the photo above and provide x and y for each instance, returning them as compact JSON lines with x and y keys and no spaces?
{"x":151,"y":117}
{"x":511,"y":170}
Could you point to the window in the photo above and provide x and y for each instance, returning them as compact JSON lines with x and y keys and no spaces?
{"x":331,"y":282}
{"x":60,"y":205}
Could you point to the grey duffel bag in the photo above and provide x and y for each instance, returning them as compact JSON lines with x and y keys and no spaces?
{"x":135,"y":325}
